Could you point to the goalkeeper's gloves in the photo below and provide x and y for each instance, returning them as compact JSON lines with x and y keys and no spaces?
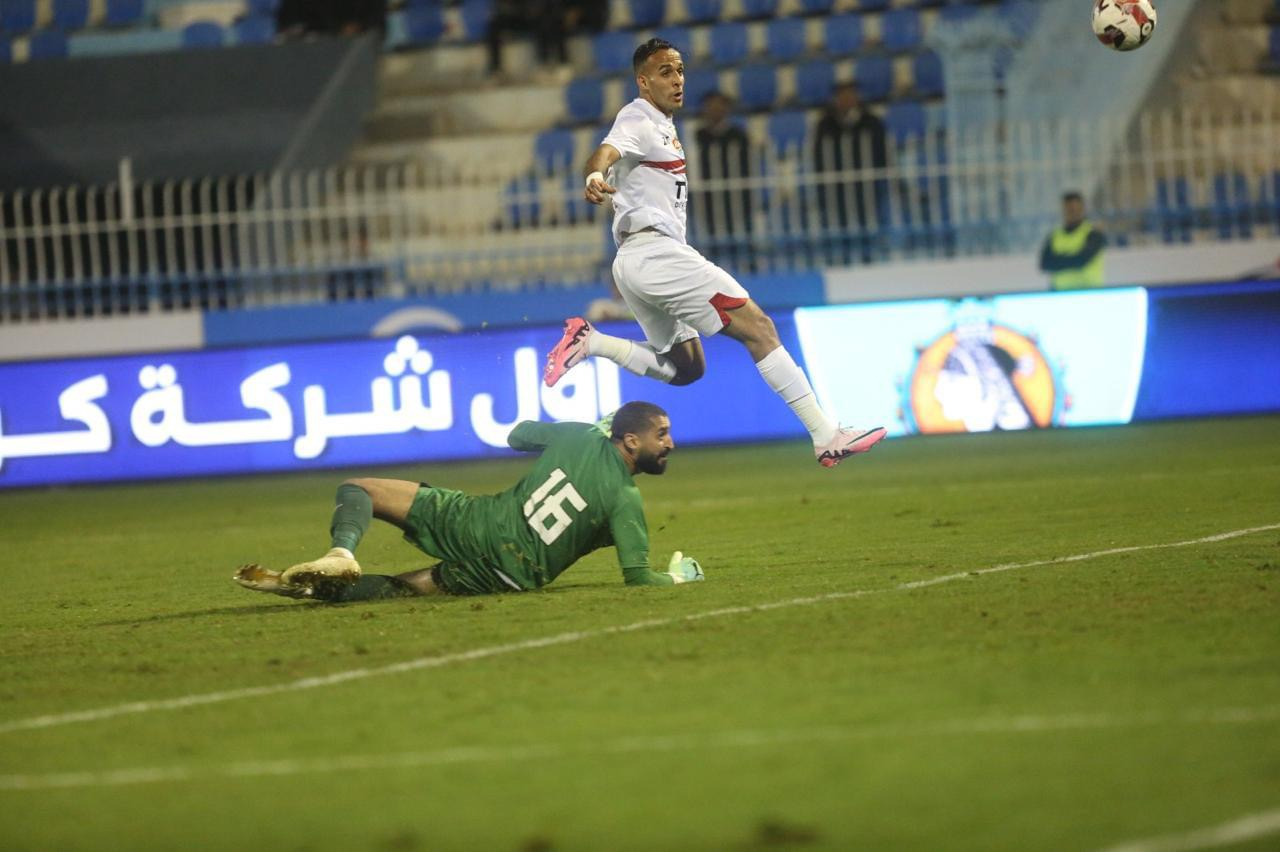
{"x":684,"y":569}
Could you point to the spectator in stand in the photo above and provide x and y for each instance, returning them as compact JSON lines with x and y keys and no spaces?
{"x":295,"y":18}
{"x":586,"y":16}
{"x":550,"y":22}
{"x":723,"y":216}
{"x":851,"y":138}
{"x":1072,"y":253}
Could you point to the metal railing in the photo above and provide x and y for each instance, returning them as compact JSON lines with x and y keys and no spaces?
{"x":356,"y":233}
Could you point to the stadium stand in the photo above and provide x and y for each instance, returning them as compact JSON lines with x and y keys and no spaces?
{"x":786,"y":38}
{"x":780,"y":61}
{"x":728,"y":42}
{"x":123,"y":13}
{"x":203,"y":34}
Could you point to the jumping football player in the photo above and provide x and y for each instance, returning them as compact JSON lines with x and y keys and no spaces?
{"x":579,"y":496}
{"x":674,"y":292}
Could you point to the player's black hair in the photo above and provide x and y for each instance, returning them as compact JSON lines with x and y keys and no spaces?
{"x":634,"y":418}
{"x":1072,"y":195}
{"x":649,"y":48}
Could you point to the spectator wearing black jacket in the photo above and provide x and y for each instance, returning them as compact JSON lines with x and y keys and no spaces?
{"x":722,"y":216}
{"x":850,"y":138}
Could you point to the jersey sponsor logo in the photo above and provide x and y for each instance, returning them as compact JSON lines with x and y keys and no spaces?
{"x":545,"y":511}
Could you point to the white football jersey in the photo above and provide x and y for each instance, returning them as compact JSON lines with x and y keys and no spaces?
{"x":653,"y":189}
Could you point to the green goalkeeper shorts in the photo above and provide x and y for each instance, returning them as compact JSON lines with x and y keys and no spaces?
{"x":441,"y":524}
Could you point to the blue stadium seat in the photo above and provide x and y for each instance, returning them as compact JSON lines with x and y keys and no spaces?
{"x":612,"y":51}
{"x":202,"y":34}
{"x":71,"y":15}
{"x":874,"y":76}
{"x":1274,"y":43}
{"x":904,"y":119}
{"x":814,"y":82}
{"x":577,"y":209}
{"x":553,"y":149}
{"x":1173,"y":210}
{"x":584,"y":99}
{"x":696,"y":87}
{"x":1020,"y":15}
{"x":816,"y":7}
{"x":522,"y":203}
{"x":18,"y":16}
{"x":951,"y":15}
{"x":678,"y":36}
{"x":728,"y":43}
{"x":123,"y":13}
{"x":648,"y":13}
{"x":927,"y":70}
{"x":6,"y":52}
{"x":753,"y":9}
{"x":785,"y":37}
{"x":788,"y":130}
{"x":423,"y":24}
{"x":255,"y":29}
{"x":900,"y":29}
{"x":757,"y":86}
{"x":843,"y":34}
{"x":1232,"y":206}
{"x":872,"y":5}
{"x":475,"y":18}
{"x":1272,"y":192}
{"x":702,"y":11}
{"x":47,"y":44}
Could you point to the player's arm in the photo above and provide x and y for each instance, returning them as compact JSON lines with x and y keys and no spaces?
{"x":597,"y":166}
{"x":631,"y":538}
{"x":532,"y":436}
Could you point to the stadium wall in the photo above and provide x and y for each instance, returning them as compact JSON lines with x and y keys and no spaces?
{"x":1004,"y":362}
{"x":779,"y":291}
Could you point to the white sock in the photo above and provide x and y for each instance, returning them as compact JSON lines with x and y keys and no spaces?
{"x":788,"y":381}
{"x":632,"y":355}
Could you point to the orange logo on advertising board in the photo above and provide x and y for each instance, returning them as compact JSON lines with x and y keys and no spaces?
{"x":982,"y":376}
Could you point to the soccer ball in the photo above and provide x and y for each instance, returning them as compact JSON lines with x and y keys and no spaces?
{"x":1124,"y":24}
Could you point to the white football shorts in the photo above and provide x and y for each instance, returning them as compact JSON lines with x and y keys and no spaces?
{"x":675,"y":293}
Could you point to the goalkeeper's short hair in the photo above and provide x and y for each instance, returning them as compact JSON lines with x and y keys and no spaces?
{"x":634,"y":418}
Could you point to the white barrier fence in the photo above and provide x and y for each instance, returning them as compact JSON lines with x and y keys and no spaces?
{"x":773,"y":203}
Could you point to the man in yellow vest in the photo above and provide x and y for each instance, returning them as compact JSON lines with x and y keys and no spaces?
{"x":1072,"y":254}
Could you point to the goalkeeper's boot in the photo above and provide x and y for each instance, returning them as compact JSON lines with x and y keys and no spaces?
{"x":338,"y":564}
{"x":847,"y":442}
{"x":260,"y":579}
{"x":571,"y":349}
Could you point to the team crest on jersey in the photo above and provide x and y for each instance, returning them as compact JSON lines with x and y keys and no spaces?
{"x":673,"y":141}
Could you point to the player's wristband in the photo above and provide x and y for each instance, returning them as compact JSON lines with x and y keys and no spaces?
{"x":594,"y":176}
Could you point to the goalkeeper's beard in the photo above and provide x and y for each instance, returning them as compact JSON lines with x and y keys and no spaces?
{"x":652,"y":464}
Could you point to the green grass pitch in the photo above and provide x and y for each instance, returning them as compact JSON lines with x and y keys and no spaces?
{"x":813,"y":693}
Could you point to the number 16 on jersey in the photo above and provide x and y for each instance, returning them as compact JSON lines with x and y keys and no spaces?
{"x":552,"y":508}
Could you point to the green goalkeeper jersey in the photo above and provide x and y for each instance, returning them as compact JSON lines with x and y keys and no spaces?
{"x":579,"y":496}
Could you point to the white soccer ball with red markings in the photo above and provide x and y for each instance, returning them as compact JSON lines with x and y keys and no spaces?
{"x":1124,"y":24}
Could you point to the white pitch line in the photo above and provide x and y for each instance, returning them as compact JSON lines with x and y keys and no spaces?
{"x":740,"y":739}
{"x":1236,"y":831}
{"x":199,"y":699}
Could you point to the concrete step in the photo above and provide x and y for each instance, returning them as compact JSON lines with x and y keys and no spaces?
{"x":476,"y":112}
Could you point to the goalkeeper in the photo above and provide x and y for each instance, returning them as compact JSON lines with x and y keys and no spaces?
{"x":578,"y":496}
